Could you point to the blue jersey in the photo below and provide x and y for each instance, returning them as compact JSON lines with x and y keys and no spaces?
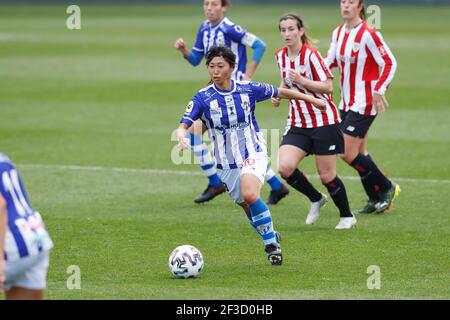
{"x":25,"y":234}
{"x":225,"y":33}
{"x":230,"y":119}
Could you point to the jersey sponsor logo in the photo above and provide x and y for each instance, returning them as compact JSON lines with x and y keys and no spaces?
{"x":245,"y":105}
{"x":234,"y":127}
{"x":382,"y":50}
{"x":220,"y":39}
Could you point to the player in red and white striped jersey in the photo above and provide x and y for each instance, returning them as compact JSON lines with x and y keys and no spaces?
{"x":310,"y":130}
{"x":367,"y":67}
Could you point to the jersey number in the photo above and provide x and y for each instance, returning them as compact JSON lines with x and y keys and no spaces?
{"x":11,"y":182}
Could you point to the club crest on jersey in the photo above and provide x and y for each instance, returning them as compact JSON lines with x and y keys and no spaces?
{"x":248,"y":162}
{"x":245,"y":105}
{"x":189,"y":107}
{"x":302,"y":69}
{"x":356,"y":46}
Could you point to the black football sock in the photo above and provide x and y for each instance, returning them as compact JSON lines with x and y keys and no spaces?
{"x":337,"y":192}
{"x":299,"y":182}
{"x":373,"y":177}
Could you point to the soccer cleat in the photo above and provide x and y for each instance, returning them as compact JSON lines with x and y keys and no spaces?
{"x":274,"y":255}
{"x":210,"y":193}
{"x":314,"y":211}
{"x":276,"y":195}
{"x":370,"y":207}
{"x":346,"y":223}
{"x":388,"y":198}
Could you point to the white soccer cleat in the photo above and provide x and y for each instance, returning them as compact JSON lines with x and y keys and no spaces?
{"x":346,"y":223}
{"x":314,"y":211}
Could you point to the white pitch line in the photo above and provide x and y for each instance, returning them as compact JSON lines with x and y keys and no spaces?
{"x":184,"y":172}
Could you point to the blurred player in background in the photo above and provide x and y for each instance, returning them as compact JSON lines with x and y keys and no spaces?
{"x":367,"y":67}
{"x":219,"y":30}
{"x":310,"y":130}
{"x":24,"y":241}
{"x":226,"y":108}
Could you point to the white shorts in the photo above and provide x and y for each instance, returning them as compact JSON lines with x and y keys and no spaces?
{"x":29,"y":272}
{"x":256,"y":165}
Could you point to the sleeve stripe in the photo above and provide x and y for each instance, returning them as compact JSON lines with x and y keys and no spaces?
{"x":389,"y":63}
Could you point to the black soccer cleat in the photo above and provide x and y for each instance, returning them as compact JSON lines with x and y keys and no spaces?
{"x":370,"y":207}
{"x":210,"y":193}
{"x":274,"y":255}
{"x":276,"y":195}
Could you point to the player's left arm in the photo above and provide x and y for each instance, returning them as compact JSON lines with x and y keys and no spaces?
{"x":239,"y":34}
{"x":3,"y":224}
{"x":259,"y":47}
{"x":388,"y":65}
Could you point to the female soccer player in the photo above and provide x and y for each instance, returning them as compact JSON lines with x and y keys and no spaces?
{"x":310,"y":130}
{"x":24,"y":241}
{"x":367,"y":67}
{"x":219,"y":30}
{"x":226,"y":108}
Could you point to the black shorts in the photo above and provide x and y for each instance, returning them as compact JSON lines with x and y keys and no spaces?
{"x":322,"y":141}
{"x":355,"y":124}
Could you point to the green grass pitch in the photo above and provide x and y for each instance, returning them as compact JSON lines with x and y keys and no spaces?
{"x":87,"y":115}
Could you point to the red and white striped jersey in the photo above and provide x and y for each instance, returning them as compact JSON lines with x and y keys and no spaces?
{"x":366,"y":64}
{"x":309,"y":64}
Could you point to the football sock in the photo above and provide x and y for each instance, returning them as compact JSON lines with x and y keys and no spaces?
{"x":336,"y":189}
{"x":272,"y":179}
{"x":205,"y":159}
{"x":262,"y":221}
{"x":371,"y":176}
{"x":299,"y":182}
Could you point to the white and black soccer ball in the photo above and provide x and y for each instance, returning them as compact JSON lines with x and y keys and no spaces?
{"x":186,"y":261}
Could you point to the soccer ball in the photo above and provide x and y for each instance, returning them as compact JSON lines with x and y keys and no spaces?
{"x":186,"y":261}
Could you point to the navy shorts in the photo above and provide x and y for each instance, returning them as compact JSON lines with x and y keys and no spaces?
{"x":322,"y":141}
{"x":355,"y":124}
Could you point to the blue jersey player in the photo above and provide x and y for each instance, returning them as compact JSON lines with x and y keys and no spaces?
{"x":226,"y":108}
{"x":219,"y":30}
{"x":24,"y":241}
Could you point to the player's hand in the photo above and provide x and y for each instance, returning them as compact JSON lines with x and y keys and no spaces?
{"x":380,"y":102}
{"x":180,"y":44}
{"x":319,"y":104}
{"x":294,"y":76}
{"x":183,"y":142}
{"x":276,"y":102}
{"x":245,"y":77}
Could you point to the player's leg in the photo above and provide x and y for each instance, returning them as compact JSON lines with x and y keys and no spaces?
{"x":251,"y":181}
{"x":17,"y":293}
{"x":206,"y":161}
{"x":379,"y":189}
{"x":326,"y":167}
{"x":278,"y":189}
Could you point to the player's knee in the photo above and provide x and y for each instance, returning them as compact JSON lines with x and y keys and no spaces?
{"x":250,"y":195}
{"x":326,"y":177}
{"x":285,"y":170}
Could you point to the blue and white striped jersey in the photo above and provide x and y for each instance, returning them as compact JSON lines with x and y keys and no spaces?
{"x":225,"y":33}
{"x":25,"y":234}
{"x":230,"y":119}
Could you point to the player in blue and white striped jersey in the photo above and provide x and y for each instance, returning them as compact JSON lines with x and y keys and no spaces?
{"x":24,"y":241}
{"x":227,"y":109}
{"x":219,"y":30}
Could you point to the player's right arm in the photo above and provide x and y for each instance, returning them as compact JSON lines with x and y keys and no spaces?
{"x":3,"y":224}
{"x":194,"y":56}
{"x":193,"y":112}
{"x":330,"y":59}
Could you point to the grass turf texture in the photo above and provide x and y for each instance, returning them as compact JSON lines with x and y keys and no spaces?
{"x":110,"y":94}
